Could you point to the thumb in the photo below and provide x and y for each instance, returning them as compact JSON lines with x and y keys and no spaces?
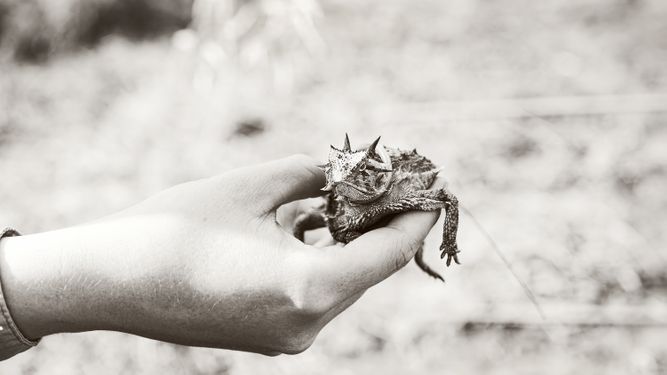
{"x":377,"y":254}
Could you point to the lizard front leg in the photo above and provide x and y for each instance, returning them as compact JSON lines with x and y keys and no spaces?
{"x":308,"y":221}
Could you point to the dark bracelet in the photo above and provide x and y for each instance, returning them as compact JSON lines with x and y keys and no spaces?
{"x":12,"y":340}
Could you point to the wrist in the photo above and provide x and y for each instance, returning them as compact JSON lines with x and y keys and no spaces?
{"x":43,"y":284}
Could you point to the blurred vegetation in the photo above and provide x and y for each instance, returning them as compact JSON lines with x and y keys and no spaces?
{"x":32,"y":30}
{"x":548,"y":117}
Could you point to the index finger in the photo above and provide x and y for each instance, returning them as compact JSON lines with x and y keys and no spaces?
{"x":269,"y":185}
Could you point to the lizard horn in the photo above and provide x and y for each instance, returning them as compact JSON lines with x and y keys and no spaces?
{"x":371,"y":148}
{"x":380,"y":166}
{"x":328,"y":187}
{"x":346,"y":145}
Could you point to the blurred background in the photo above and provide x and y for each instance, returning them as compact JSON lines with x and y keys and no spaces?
{"x":548,"y":117}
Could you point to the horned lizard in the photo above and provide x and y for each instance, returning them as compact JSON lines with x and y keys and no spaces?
{"x":369,"y":184}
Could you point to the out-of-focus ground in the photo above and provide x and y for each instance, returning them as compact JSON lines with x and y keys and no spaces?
{"x":547,"y":116}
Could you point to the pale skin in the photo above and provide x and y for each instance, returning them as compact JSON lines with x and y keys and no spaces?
{"x":205,"y":263}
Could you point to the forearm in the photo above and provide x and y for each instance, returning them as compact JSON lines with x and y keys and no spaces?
{"x":121,"y":274}
{"x":75,"y":279}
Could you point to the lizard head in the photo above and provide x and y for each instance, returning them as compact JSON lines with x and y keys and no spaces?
{"x":355,"y":174}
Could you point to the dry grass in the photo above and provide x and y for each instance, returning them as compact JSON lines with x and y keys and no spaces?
{"x":574,"y":200}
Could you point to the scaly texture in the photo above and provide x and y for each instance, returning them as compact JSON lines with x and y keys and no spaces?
{"x":374,"y":182}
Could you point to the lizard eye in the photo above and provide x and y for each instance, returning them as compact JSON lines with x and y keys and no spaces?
{"x":362,"y":167}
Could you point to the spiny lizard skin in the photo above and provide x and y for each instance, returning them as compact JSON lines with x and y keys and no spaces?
{"x":373,"y":183}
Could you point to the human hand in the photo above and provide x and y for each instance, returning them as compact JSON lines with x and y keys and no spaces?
{"x":203,"y":263}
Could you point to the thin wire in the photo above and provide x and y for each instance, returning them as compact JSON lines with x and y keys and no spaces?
{"x":502,"y":257}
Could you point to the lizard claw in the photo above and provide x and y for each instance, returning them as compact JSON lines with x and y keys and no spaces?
{"x":451,"y":252}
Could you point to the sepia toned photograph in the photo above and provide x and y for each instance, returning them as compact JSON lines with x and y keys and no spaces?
{"x":242,"y":187}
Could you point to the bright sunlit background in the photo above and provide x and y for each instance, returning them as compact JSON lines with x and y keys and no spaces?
{"x":549,"y":119}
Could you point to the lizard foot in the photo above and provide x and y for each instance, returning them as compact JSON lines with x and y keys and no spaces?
{"x":451,"y":251}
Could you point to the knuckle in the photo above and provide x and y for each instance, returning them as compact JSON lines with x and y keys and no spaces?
{"x":406,"y":250}
{"x":298,"y":343}
{"x":311,"y":309}
{"x":312,"y":301}
{"x":311,"y":295}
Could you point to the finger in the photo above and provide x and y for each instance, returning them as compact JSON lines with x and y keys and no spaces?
{"x":326,"y":240}
{"x":287,"y":213}
{"x":286,"y":180}
{"x":377,"y":254}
